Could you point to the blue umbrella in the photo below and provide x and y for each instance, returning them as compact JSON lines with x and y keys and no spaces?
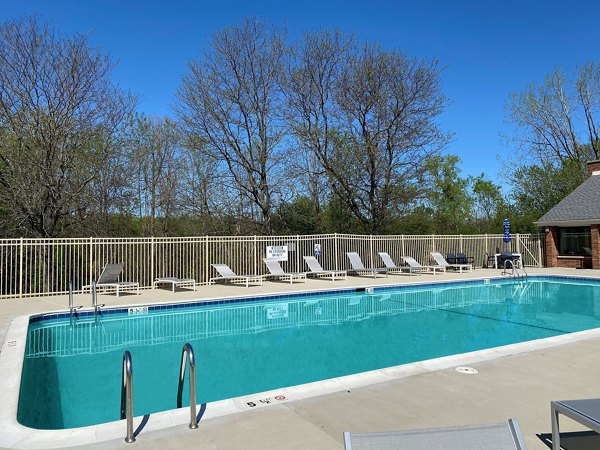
{"x":506,"y":225}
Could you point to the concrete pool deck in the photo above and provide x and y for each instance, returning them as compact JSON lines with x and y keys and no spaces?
{"x":518,"y":383}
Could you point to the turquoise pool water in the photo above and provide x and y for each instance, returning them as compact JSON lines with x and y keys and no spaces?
{"x":72,"y":368}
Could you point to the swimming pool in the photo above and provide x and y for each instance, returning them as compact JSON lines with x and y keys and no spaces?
{"x":71,"y":375}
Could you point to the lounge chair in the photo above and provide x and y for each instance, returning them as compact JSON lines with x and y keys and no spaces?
{"x":461,"y":258}
{"x":586,"y":412}
{"x":109,"y":278}
{"x":496,"y":436}
{"x":174,"y":282}
{"x":412,"y":262}
{"x":439,"y":259}
{"x":317,"y":270}
{"x":393,"y":268}
{"x":358,"y":266}
{"x":275,"y":270}
{"x":226,"y":274}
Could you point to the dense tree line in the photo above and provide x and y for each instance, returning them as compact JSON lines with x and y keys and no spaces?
{"x":327,"y":134}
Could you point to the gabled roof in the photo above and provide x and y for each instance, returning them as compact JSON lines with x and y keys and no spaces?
{"x":581,"y":207}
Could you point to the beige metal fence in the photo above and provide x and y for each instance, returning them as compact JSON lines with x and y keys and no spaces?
{"x":35,"y":267}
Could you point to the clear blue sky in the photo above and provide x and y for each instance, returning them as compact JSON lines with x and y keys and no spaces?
{"x":490,"y":48}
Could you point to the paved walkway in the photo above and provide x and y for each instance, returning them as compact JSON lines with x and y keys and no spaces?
{"x":518,"y":385}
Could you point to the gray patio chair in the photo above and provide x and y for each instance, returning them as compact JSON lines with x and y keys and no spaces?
{"x":586,"y":412}
{"x":109,"y":278}
{"x":412,"y":262}
{"x":275,"y":270}
{"x":497,"y":436}
{"x":174,"y":282}
{"x":226,"y":274}
{"x":358,"y":266}
{"x":318,"y":271}
{"x":393,"y":268}
{"x":441,"y":261}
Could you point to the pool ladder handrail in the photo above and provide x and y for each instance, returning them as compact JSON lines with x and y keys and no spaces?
{"x":72,"y":308}
{"x":127,"y":396}
{"x":187,"y":356}
{"x":95,"y":304}
{"x":513,"y":268}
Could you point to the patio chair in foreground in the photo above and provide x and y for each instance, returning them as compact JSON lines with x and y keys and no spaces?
{"x":109,"y":278}
{"x":275,"y":270}
{"x":226,"y":274}
{"x":586,"y":412}
{"x":441,"y":261}
{"x":317,"y":270}
{"x":412,"y":262}
{"x":358,"y":266}
{"x":497,"y":436}
{"x":393,"y":268}
{"x":174,"y":282}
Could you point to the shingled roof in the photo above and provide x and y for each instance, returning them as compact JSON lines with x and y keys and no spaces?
{"x":581,"y":207}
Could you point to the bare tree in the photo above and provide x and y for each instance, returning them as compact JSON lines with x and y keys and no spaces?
{"x":369,"y":117}
{"x":231,"y":101}
{"x":60,"y":118}
{"x":548,"y":117}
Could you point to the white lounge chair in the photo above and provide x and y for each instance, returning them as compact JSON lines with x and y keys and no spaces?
{"x":412,"y":262}
{"x":496,"y":436}
{"x":317,"y":270}
{"x":174,"y":282}
{"x":226,"y":274}
{"x":109,"y":278}
{"x":358,"y":266}
{"x":441,"y":261}
{"x":393,"y":268}
{"x":275,"y":270}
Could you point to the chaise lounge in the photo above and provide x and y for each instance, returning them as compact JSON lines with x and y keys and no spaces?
{"x":175,"y":282}
{"x":358,"y":267}
{"x":441,"y":261}
{"x":226,"y":274}
{"x":393,"y":268}
{"x":109,"y":278}
{"x":318,"y":271}
{"x":497,"y":436}
{"x":412,"y":262}
{"x":275,"y":270}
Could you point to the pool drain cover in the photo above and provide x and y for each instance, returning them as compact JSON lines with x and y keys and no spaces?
{"x":467,"y":370}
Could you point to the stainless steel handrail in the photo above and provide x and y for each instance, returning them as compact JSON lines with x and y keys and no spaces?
{"x":72,"y":307}
{"x":127,"y":396}
{"x":95,"y":299}
{"x":187,"y":355}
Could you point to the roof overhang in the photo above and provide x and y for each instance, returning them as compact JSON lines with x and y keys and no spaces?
{"x":568,"y":223}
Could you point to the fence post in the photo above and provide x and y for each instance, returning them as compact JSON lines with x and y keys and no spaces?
{"x":371,"y":251}
{"x":539,"y":243}
{"x":518,"y":243}
{"x":298,"y":253}
{"x":21,"y":268}
{"x":461,"y":243}
{"x":255,"y":256}
{"x":152,"y":261}
{"x":91,"y":270}
{"x":335,"y":237}
{"x":402,"y":240}
{"x":206,"y":263}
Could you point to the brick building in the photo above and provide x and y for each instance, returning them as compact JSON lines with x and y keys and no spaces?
{"x":572,"y":227}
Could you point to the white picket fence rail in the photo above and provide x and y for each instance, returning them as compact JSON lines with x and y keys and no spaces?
{"x":35,"y":267}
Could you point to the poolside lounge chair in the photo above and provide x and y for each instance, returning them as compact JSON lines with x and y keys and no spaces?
{"x":358,"y":266}
{"x":174,"y":282}
{"x":226,"y":274}
{"x":412,"y":262}
{"x":439,"y":259}
{"x":317,"y":270}
{"x":393,"y":268}
{"x":109,"y":278}
{"x":276,"y":271}
{"x":497,"y":436}
{"x":586,"y":412}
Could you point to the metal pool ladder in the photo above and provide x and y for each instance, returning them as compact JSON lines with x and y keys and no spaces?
{"x":127,"y":396}
{"x":518,"y":270}
{"x":187,"y":356}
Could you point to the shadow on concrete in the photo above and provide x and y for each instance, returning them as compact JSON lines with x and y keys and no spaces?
{"x":580,"y":440}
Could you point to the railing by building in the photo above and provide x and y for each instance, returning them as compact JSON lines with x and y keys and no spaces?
{"x":35,"y":267}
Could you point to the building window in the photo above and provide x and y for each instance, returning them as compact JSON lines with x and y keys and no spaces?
{"x":575,"y":241}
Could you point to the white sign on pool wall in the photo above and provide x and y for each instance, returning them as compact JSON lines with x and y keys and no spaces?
{"x":278,"y":252}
